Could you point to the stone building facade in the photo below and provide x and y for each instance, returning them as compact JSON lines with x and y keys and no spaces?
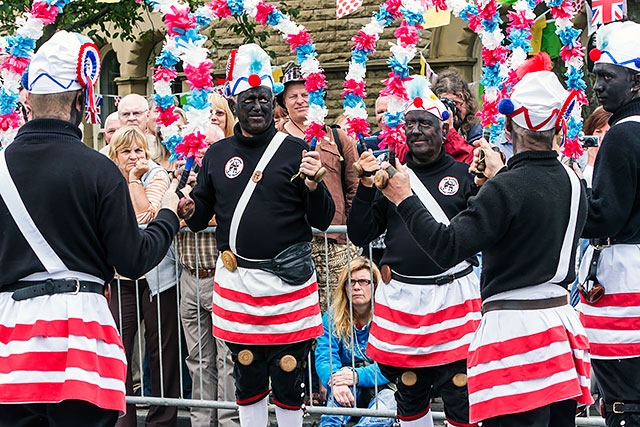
{"x":127,"y":65}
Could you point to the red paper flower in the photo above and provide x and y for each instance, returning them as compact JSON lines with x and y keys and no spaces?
{"x":365,"y":42}
{"x":354,"y":87}
{"x":167,"y":117}
{"x":567,"y":53}
{"x":164,"y":74}
{"x":407,"y":35}
{"x":394,"y":86}
{"x":299,"y":39}
{"x":15,"y":65}
{"x":440,"y":5}
{"x":358,"y":127}
{"x":314,"y":130}
{"x":572,"y":148}
{"x":489,"y":113}
{"x":488,"y":11}
{"x":45,"y":12}
{"x":180,"y":19}
{"x":392,"y":137}
{"x":315,"y":82}
{"x":264,"y":10}
{"x":220,"y":8}
{"x":494,"y":56}
{"x":191,"y":144}
{"x":199,"y":77}
{"x":9,"y":121}
{"x":519,"y":20}
{"x":564,"y":11}
{"x":393,"y":7}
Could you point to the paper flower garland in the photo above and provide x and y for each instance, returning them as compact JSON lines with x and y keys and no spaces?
{"x":301,"y":44}
{"x":364,"y":44}
{"x":19,"y":50}
{"x":183,"y":42}
{"x":404,"y":50}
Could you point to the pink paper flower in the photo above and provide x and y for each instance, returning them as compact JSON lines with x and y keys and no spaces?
{"x":199,"y":77}
{"x":264,"y":9}
{"x":15,"y":65}
{"x":394,"y":86}
{"x":299,"y":39}
{"x":519,"y":20}
{"x":191,"y":144}
{"x":497,"y":55}
{"x":167,"y":117}
{"x":354,"y":87}
{"x":572,"y":148}
{"x":567,"y":53}
{"x":180,"y":19}
{"x":9,"y":121}
{"x":315,"y":81}
{"x":564,"y":11}
{"x":364,"y":41}
{"x":358,"y":127}
{"x":314,"y":130}
{"x":220,"y":8}
{"x":489,"y":113}
{"x":393,"y":7}
{"x":407,"y":35}
{"x":47,"y":13}
{"x":164,"y":74}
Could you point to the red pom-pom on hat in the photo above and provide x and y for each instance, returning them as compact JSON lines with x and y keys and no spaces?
{"x":418,"y":102}
{"x":595,"y":54}
{"x":254,"y":80}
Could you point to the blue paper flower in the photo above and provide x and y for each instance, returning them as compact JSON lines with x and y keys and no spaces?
{"x":236,"y":7}
{"x":275,"y":18}
{"x":352,"y":101}
{"x":20,"y":46}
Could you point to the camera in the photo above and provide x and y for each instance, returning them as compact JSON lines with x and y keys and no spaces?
{"x":589,"y":141}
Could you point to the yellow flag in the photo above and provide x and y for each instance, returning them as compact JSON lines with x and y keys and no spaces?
{"x":536,"y":35}
{"x":433,"y":19}
{"x":276,"y":73}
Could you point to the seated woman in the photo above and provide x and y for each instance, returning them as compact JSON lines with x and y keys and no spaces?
{"x":152,"y":298}
{"x":345,"y":342}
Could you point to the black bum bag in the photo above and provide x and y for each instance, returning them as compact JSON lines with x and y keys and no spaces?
{"x":293,"y":265}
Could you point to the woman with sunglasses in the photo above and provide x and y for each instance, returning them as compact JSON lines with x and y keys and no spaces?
{"x":341,"y":360}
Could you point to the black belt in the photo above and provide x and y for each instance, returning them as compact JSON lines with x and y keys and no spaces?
{"x":609,"y":241}
{"x":618,"y":408}
{"x":245,"y":263}
{"x":440,"y":280}
{"x":524,"y":304}
{"x":25,"y":290}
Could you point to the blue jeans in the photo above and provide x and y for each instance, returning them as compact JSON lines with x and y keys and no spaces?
{"x":386,"y":401}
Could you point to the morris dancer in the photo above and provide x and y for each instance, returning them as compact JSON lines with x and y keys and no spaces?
{"x":267,"y":315}
{"x":67,"y":221}
{"x":613,"y":224}
{"x":424,"y":314}
{"x":528,"y":362}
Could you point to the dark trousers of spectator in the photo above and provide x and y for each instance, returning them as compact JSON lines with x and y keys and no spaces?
{"x":558,"y":414}
{"x":619,"y":381}
{"x":68,"y":413}
{"x":132,"y":298}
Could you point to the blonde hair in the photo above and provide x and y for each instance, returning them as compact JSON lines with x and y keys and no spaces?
{"x":218,"y":101}
{"x":339,"y":310}
{"x":124,"y":138}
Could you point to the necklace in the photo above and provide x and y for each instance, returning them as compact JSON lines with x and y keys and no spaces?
{"x":296,"y":125}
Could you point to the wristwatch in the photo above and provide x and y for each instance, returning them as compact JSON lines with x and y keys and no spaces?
{"x":135,"y":181}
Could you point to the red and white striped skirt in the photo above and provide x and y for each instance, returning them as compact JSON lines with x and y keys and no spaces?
{"x":61,"y":347}
{"x":520,"y":360}
{"x":424,"y":325}
{"x":252,"y":306}
{"x":613,"y":323}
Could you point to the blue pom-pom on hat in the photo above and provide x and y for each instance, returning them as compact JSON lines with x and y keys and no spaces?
{"x":445,"y":115}
{"x":506,"y":107}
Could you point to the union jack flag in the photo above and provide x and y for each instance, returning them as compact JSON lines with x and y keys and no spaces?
{"x":604,"y":11}
{"x":92,"y":115}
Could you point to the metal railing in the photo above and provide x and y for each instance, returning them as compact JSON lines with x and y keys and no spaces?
{"x":228,"y":402}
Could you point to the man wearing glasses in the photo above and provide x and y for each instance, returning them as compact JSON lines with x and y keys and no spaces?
{"x":425,"y":315}
{"x":133,"y":110}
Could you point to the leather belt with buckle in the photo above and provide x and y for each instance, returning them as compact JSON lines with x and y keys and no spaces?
{"x":25,"y":290}
{"x":202,"y":273}
{"x":440,"y":280}
{"x":618,"y":408}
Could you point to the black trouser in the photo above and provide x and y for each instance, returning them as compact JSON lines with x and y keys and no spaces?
{"x":558,"y":414}
{"x":619,"y":381}
{"x":252,"y":381}
{"x":133,"y":299}
{"x":68,"y":413}
{"x":413,"y":401}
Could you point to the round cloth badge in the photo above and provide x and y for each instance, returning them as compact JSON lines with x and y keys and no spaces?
{"x":234,"y":167}
{"x":88,"y":65}
{"x":449,"y":185}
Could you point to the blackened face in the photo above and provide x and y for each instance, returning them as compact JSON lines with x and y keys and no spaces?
{"x":255,"y":110}
{"x":424,"y":135}
{"x":614,"y":86}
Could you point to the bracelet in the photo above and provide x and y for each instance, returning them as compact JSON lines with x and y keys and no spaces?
{"x":135,"y":181}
